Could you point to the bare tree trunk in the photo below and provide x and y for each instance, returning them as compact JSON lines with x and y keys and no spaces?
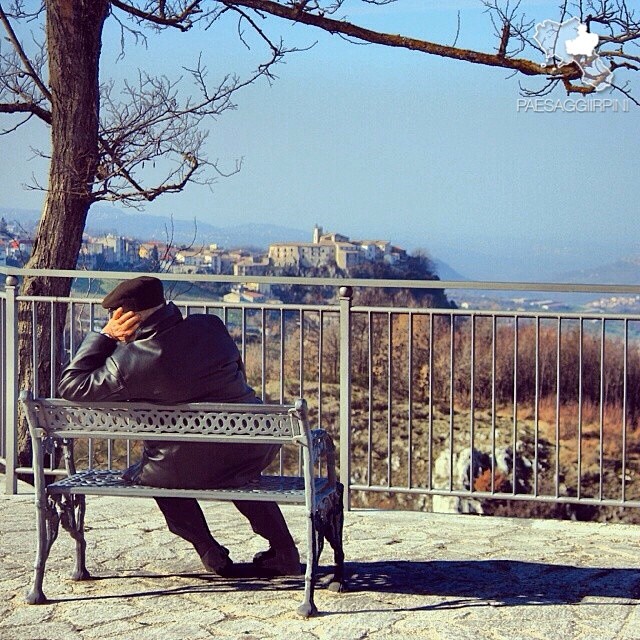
{"x":74,"y":36}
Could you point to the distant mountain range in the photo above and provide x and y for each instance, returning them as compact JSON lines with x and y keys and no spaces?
{"x":148,"y":227}
{"x":162,"y":229}
{"x":625,"y":271}
{"x":446,"y":272}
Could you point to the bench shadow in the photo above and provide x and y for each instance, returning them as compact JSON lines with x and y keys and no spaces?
{"x":495,"y":582}
{"x":242,"y":577}
{"x":469,"y":583}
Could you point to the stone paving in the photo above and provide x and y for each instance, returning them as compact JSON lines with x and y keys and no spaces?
{"x":411,"y":575}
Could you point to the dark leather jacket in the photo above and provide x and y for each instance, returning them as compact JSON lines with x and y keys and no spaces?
{"x":172,"y":360}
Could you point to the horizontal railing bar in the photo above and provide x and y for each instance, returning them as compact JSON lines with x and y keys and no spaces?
{"x":443,"y":492}
{"x":215,"y":304}
{"x":543,"y":315}
{"x":28,"y":471}
{"x":486,"y":495}
{"x":336,"y":282}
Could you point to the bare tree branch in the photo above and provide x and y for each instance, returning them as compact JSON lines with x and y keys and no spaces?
{"x":182,"y":20}
{"x":617,"y":25}
{"x":4,"y":132}
{"x":627,"y":94}
{"x":156,"y":132}
{"x":576,"y":88}
{"x":514,"y":34}
{"x":349,"y":29}
{"x":23,"y":56}
{"x":18,"y":10}
{"x":22,"y":88}
{"x":25,"y":107}
{"x":504,"y":39}
{"x":455,"y":40}
{"x":276,"y":50}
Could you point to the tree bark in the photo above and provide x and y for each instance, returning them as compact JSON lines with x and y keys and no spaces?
{"x":74,"y":39}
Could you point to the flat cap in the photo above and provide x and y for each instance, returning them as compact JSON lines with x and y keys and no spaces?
{"x":138,"y":294}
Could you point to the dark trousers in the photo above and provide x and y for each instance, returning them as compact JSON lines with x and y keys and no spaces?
{"x":185,"y":518}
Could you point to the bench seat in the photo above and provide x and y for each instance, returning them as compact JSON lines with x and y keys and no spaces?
{"x":287,"y":489}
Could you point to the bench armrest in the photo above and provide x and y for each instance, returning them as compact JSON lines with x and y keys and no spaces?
{"x":322,"y":447}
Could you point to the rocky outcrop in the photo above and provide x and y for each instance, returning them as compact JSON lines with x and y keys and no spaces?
{"x":478,"y":471}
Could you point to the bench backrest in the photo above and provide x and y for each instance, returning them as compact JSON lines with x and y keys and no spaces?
{"x":200,"y":421}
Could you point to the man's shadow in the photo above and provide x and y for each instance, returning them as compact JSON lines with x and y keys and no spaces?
{"x":468,"y":583}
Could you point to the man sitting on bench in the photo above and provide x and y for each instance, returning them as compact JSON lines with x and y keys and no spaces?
{"x":148,"y":352}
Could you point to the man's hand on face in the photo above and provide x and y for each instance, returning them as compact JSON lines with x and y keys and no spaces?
{"x":122,"y":325}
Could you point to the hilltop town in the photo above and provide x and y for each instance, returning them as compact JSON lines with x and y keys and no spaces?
{"x":111,"y":252}
{"x":330,"y":253}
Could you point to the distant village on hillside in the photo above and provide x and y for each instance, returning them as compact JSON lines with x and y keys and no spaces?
{"x":111,"y":252}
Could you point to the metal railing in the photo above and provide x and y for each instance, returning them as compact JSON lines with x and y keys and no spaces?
{"x":476,"y":405}
{"x":432,"y":408}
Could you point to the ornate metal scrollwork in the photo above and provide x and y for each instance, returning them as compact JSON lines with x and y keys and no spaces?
{"x":71,"y":509}
{"x":328,"y":524}
{"x":52,"y":522}
{"x":148,"y":420}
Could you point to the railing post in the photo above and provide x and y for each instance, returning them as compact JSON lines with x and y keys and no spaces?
{"x":345,"y":393}
{"x":11,"y":385}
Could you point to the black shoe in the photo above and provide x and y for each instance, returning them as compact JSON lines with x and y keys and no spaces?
{"x":216,"y":560}
{"x":133,"y":474}
{"x":279,"y":562}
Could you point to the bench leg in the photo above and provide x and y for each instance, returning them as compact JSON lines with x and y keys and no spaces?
{"x":333,"y":532}
{"x":308,"y":607}
{"x":331,"y":525}
{"x":72,"y":509}
{"x":47,"y":521}
{"x":327,"y":522}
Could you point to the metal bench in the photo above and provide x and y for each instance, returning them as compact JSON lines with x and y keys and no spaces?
{"x":53,"y":422}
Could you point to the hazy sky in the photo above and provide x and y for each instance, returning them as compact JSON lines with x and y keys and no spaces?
{"x":376,"y":142}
